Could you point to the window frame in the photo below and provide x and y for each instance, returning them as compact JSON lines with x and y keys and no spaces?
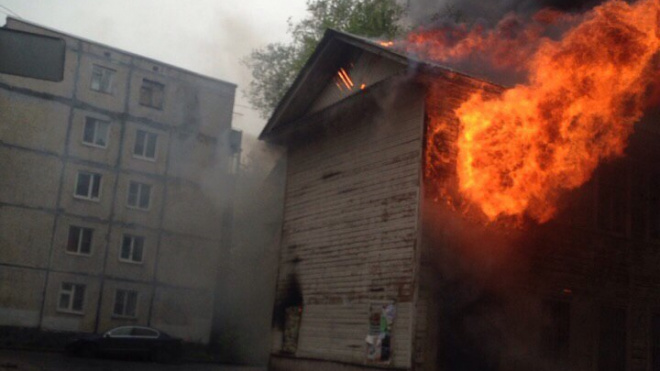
{"x":96,"y":122}
{"x":138,"y":199}
{"x":111,"y":84}
{"x":126,"y":293}
{"x":72,"y":297}
{"x":150,"y":85}
{"x":133,"y":238}
{"x":144,"y":156}
{"x":90,"y":188}
{"x":79,"y":242}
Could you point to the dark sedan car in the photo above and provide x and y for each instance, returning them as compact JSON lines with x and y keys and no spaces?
{"x":128,"y":340}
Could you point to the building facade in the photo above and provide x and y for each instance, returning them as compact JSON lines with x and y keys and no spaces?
{"x":115,"y":193}
{"x":379,"y":268}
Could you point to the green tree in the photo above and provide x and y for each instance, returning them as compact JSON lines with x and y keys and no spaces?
{"x":275,"y":66}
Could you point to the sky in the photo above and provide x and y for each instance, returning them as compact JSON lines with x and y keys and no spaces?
{"x":206,"y":36}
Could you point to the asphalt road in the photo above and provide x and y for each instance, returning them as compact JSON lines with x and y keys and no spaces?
{"x":11,"y":360}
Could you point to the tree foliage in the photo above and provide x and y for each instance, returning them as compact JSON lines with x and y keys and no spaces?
{"x":275,"y":66}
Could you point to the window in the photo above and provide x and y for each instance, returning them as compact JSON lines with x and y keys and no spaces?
{"x":72,"y":297}
{"x":132,"y":249}
{"x":103,"y":79}
{"x":655,"y":343}
{"x":612,"y":343}
{"x":88,"y":185}
{"x":145,"y":144}
{"x":556,"y":329}
{"x":125,"y":303}
{"x":96,"y":132}
{"x":80,"y":240}
{"x":151,"y":94}
{"x":139,"y":195}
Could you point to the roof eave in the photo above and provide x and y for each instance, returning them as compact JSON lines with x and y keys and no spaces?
{"x":420,"y":67}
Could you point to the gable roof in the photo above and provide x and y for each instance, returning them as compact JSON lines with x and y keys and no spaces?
{"x":334,"y":49}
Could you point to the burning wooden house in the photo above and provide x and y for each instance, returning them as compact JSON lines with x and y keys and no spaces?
{"x":385,"y":263}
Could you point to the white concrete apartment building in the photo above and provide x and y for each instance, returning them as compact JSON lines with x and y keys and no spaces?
{"x":115,"y":189}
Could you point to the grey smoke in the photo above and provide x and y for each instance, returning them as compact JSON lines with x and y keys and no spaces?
{"x":490,"y":12}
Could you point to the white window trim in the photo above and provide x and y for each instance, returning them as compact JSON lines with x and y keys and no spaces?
{"x":153,"y":82}
{"x":121,"y":245}
{"x":94,"y":145}
{"x":142,"y":157}
{"x":137,"y":305}
{"x":78,"y":253}
{"x":88,"y":198}
{"x":112,"y":82}
{"x":71,"y":299}
{"x":128,"y":193}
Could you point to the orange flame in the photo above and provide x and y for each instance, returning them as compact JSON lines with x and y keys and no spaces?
{"x":507,"y":47}
{"x":345,"y":79}
{"x":517,"y":152}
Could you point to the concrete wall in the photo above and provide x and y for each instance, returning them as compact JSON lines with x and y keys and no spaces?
{"x":23,"y":243}
{"x":21,"y":297}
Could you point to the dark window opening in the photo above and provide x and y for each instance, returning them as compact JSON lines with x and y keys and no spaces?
{"x":612,"y":340}
{"x":145,"y":144}
{"x":125,"y":303}
{"x":152,"y":94}
{"x":80,"y":240}
{"x":555,"y":332}
{"x":132,"y":249}
{"x":655,"y":343}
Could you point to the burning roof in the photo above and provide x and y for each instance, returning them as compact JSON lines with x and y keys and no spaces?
{"x":335,"y":51}
{"x":583,"y":94}
{"x":583,"y":82}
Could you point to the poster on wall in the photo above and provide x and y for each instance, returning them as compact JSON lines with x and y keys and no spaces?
{"x":379,"y":338}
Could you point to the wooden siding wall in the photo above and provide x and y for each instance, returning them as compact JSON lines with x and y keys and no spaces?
{"x":350,"y":229}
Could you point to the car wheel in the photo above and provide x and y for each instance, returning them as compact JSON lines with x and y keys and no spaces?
{"x":88,"y":350}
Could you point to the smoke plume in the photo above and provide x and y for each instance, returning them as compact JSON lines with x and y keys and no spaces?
{"x":489,"y":12}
